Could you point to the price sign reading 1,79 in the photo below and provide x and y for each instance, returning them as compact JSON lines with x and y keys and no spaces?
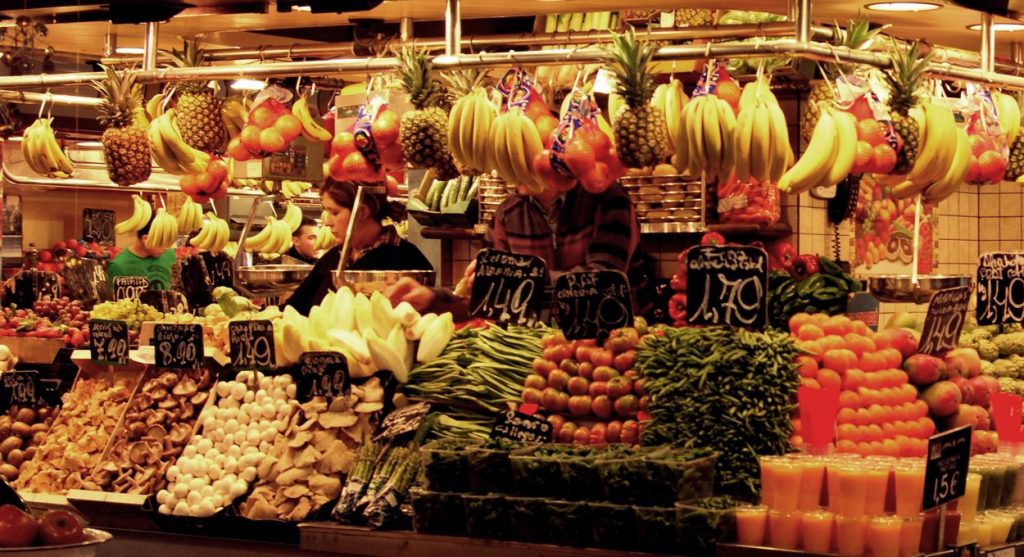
{"x":945,"y":475}
{"x":725,"y":285}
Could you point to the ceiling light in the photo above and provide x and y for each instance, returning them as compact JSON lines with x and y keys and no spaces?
{"x":247,"y":85}
{"x":999,"y":27}
{"x":903,"y":6}
{"x":130,"y":50}
{"x":302,"y":9}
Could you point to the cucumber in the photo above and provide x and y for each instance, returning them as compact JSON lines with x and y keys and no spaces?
{"x":434,"y":195}
{"x":471,"y":194}
{"x":416,"y":205}
{"x":464,"y":188}
{"x":449,"y":192}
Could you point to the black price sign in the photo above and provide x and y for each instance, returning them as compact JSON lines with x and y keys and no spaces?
{"x":251,"y":344}
{"x":98,"y":224}
{"x":725,"y":285}
{"x":403,"y":421}
{"x":322,"y":374}
{"x":129,"y":288}
{"x":508,"y":288}
{"x":218,"y":268}
{"x":21,"y":388}
{"x":591,"y":304}
{"x":945,"y":473}
{"x":108,"y":342}
{"x":947,"y":311}
{"x":165,"y":301}
{"x":516,"y":426}
{"x":1000,"y":288}
{"x":863,"y":306}
{"x":178,"y":346}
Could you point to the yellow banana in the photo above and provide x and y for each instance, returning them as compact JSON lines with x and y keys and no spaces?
{"x":499,"y":149}
{"x":726,"y":128}
{"x":948,"y":184}
{"x":300,"y":108}
{"x":1009,"y":115}
{"x":846,"y":129}
{"x":782,"y":151}
{"x":813,"y":166}
{"x":710,"y":131}
{"x":694,"y":134}
{"x":532,"y":146}
{"x":258,"y":241}
{"x":142,"y":211}
{"x":456,"y":121}
{"x":936,"y":150}
{"x":153,"y":106}
{"x":742,"y":144}
{"x":184,"y":154}
{"x":761,"y":143}
{"x":292,"y":217}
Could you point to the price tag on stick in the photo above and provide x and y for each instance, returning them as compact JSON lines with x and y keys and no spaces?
{"x":98,"y":225}
{"x":252,"y":344}
{"x":726,"y":285}
{"x":516,"y":426}
{"x":129,"y":288}
{"x":178,"y":346}
{"x":1000,"y":288}
{"x":402,"y":421}
{"x":21,"y":388}
{"x":945,"y":475}
{"x":322,"y":374}
{"x":947,"y":311}
{"x":109,"y":343}
{"x":508,"y":288}
{"x":591,"y":304}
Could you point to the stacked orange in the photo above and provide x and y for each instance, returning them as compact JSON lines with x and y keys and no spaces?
{"x":879,"y":412}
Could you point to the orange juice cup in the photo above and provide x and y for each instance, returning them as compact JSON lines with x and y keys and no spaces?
{"x":876,"y":484}
{"x":984,"y":531}
{"x":968,"y":533}
{"x":884,"y":535}
{"x":968,"y":505}
{"x":816,"y":531}
{"x":1001,"y":525}
{"x":768,"y":464}
{"x":910,"y":536}
{"x":751,"y":524}
{"x":909,"y":488}
{"x":784,"y":530}
{"x":852,"y":488}
{"x":785,"y":476}
{"x":850,"y":535}
{"x":832,"y":483}
{"x":812,"y":476}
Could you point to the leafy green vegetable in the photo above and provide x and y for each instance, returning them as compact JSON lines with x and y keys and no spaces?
{"x":569,"y":523}
{"x":529,"y":518}
{"x":438,"y":513}
{"x":705,"y":522}
{"x":447,"y":465}
{"x":487,"y":516}
{"x":614,"y":525}
{"x":656,"y":528}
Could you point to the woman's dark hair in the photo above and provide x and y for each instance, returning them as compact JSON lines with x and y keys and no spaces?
{"x":344,"y":195}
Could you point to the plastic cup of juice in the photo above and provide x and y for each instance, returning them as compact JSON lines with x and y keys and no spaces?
{"x":909,"y":488}
{"x":968,"y":533}
{"x":751,"y":524}
{"x":884,"y":534}
{"x":812,"y":476}
{"x":889,"y":463}
{"x":984,"y":531}
{"x":816,"y":531}
{"x":968,"y":505}
{"x":784,"y":530}
{"x":768,"y":464}
{"x":1001,"y":524}
{"x":850,"y":535}
{"x":910,"y":536}
{"x":786,"y":491}
{"x":994,"y":475}
{"x":853,"y":488}
{"x":876,"y":485}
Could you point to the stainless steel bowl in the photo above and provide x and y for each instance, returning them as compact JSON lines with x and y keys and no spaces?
{"x":369,"y":282}
{"x":271,"y":278}
{"x":900,"y":288}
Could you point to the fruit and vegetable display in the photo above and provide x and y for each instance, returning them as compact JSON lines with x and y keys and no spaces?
{"x":57,"y":318}
{"x":20,"y":529}
{"x":808,"y":283}
{"x":23,"y":429}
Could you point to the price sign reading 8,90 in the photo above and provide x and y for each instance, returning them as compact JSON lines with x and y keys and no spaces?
{"x":178,"y":346}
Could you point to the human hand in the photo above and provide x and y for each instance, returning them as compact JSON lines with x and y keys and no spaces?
{"x":465,"y":285}
{"x":409,"y":290}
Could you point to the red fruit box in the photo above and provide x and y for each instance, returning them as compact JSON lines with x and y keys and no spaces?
{"x":884,"y":233}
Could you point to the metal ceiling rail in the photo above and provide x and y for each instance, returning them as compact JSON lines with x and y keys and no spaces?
{"x":33,"y":97}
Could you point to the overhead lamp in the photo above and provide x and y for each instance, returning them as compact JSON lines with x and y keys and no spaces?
{"x":903,"y":6}
{"x":245,"y":84}
{"x":604,"y":82}
{"x":327,"y":6}
{"x":302,"y":8}
{"x":999,"y":27}
{"x":130,"y":50}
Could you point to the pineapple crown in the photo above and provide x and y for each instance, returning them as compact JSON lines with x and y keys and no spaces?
{"x":190,"y":56}
{"x":908,"y":67}
{"x":460,"y":83}
{"x":121,"y":95}
{"x":858,"y":35}
{"x":415,"y":67}
{"x":630,"y":60}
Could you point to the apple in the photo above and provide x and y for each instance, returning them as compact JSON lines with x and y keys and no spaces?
{"x":59,"y":527}
{"x":17,"y":527}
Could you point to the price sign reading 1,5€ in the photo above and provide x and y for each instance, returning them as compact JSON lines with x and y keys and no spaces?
{"x":725,"y":285}
{"x":945,"y":473}
{"x":178,"y":346}
{"x":108,"y":342}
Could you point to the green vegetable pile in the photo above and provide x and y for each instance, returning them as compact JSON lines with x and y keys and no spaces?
{"x":825,"y":291}
{"x":1001,"y":351}
{"x":728,"y":390}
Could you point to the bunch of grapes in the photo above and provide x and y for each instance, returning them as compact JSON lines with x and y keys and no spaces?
{"x":131,"y":311}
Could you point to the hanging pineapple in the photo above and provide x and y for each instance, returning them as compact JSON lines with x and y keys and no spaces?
{"x":694,"y":17}
{"x":197,"y":109}
{"x":125,"y":145}
{"x":904,"y":80}
{"x":424,"y":131}
{"x":858,"y":35}
{"x":641,"y":135}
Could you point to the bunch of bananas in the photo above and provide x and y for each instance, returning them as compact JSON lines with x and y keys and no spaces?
{"x":935,"y":155}
{"x":1009,"y":115}
{"x":42,"y":152}
{"x":515,"y":142}
{"x":275,"y":238}
{"x":190,"y":217}
{"x":213,"y":236}
{"x":163,"y":233}
{"x":293,"y":188}
{"x":709,"y":124}
{"x":233,"y":114}
{"x":324,"y":239}
{"x":292,"y":216}
{"x":170,"y":151}
{"x":142,"y":211}
{"x":155,"y":106}
{"x":469,"y":131}
{"x":672,"y":100}
{"x":829,"y":156}
{"x":762,"y":138}
{"x":311,"y":128}
{"x":947,"y":185}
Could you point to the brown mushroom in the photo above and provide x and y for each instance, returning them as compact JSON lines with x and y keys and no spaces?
{"x":158,"y":394}
{"x":139,"y":453}
{"x":136,"y":429}
{"x":168,"y":403}
{"x":186,"y":387}
{"x":201,"y":376}
{"x":187,"y":412}
{"x":169,"y":379}
{"x":157,"y":417}
{"x":180,"y":433}
{"x":199,"y":398}
{"x":156,"y":432}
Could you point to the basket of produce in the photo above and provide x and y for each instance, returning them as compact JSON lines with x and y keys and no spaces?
{"x":569,"y":523}
{"x":368,"y":282}
{"x":490,"y":194}
{"x":807,"y":283}
{"x":579,"y":470}
{"x":668,"y":202}
{"x":444,"y":202}
{"x":681,"y":475}
{"x":487,"y":516}
{"x":529,"y":519}
{"x":614,"y":525}
{"x":490,"y":466}
{"x":705,"y":522}
{"x":656,"y":529}
{"x":439,"y":513}
{"x":446,"y":464}
{"x":537,"y":472}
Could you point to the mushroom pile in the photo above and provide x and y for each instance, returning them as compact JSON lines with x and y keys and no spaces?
{"x":157,"y":425}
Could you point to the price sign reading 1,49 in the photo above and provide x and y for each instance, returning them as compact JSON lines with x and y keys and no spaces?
{"x":945,"y":475}
{"x":1000,"y":288}
{"x":108,"y":342}
{"x":508,"y":288}
{"x":178,"y":346}
{"x":946,"y":314}
{"x":251,"y":344}
{"x":725,"y":285}
{"x":322,"y":374}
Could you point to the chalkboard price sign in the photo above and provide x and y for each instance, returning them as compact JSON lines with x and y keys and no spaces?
{"x":322,"y":374}
{"x":508,"y":288}
{"x":403,"y":421}
{"x":947,"y":311}
{"x":108,"y":342}
{"x":130,"y":288}
{"x":591,"y":304}
{"x":21,"y":388}
{"x":725,"y":285}
{"x":1000,"y":288}
{"x":218,"y":268}
{"x":98,"y":224}
{"x":945,"y":473}
{"x":516,"y":426}
{"x":178,"y":346}
{"x":251,"y":344}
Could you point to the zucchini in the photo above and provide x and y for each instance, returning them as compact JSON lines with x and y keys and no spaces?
{"x":434,"y":195}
